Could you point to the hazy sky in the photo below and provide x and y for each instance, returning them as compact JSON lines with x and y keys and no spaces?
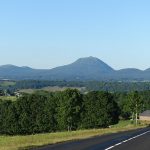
{"x":49,"y":33}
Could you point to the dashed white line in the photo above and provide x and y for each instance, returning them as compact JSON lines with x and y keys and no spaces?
{"x":111,"y":147}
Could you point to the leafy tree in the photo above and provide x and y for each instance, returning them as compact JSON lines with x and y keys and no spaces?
{"x":136,"y":104}
{"x":48,"y":112}
{"x":69,"y":109}
{"x":124,"y":105}
{"x":8,"y":118}
{"x":36,"y":113}
{"x":100,"y":110}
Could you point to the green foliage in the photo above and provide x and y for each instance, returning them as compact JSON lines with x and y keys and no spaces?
{"x":11,"y":98}
{"x":100,"y":110}
{"x":112,"y":86}
{"x":2,"y":93}
{"x":48,"y":112}
{"x":135,"y":104}
{"x":8,"y":118}
{"x":69,"y":109}
{"x":42,"y":111}
{"x":124,"y":105}
{"x":28,"y":115}
{"x":36,"y":113}
{"x":7,"y":83}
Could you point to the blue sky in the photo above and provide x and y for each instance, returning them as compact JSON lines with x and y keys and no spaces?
{"x":49,"y":33}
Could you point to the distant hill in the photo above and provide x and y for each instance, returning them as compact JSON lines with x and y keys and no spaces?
{"x":18,"y":73}
{"x":89,"y":68}
{"x":82,"y":69}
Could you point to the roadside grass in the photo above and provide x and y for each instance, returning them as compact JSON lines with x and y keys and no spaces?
{"x":12,"y":98}
{"x":29,"y":141}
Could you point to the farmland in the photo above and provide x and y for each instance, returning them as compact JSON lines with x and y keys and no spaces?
{"x":51,"y":89}
{"x":12,"y":98}
{"x":7,"y":83}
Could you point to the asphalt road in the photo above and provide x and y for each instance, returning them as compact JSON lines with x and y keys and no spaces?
{"x":129,"y":140}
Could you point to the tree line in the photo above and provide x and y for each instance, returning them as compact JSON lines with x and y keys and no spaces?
{"x":59,"y":111}
{"x":112,"y":86}
{"x":69,"y":110}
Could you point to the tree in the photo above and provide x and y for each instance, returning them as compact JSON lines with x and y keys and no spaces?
{"x":36,"y":113}
{"x":100,"y":110}
{"x":135,"y":104}
{"x":8,"y":118}
{"x":124,"y":105}
{"x":69,"y":109}
{"x":2,"y":93}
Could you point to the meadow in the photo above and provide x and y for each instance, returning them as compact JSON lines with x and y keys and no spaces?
{"x":7,"y":83}
{"x":12,"y":98}
{"x":51,"y":89}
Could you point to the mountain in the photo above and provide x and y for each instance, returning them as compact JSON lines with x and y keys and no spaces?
{"x":18,"y":73}
{"x":89,"y":68}
{"x":147,"y":70}
{"x":84,"y":68}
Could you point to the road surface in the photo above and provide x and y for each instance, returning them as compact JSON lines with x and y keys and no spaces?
{"x":129,"y":140}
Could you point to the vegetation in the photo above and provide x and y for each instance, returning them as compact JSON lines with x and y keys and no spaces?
{"x":100,"y":110}
{"x":135,"y":105}
{"x":88,"y":85}
{"x":69,"y":110}
{"x":30,"y":86}
{"x":131,"y":104}
{"x":49,"y":112}
{"x":51,"y":89}
{"x":43,"y":111}
{"x":7,"y":83}
{"x":12,"y":98}
{"x":28,"y":141}
{"x":42,"y":117}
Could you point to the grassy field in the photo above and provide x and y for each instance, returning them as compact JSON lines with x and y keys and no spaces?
{"x":12,"y":98}
{"x":26,"y":142}
{"x":51,"y":89}
{"x":7,"y":83}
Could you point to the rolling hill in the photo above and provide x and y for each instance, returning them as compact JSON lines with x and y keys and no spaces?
{"x":89,"y":68}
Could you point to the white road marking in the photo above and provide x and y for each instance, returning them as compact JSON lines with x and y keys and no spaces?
{"x":111,"y":147}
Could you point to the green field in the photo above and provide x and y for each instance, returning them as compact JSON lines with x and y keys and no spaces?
{"x":7,"y":83}
{"x":12,"y":98}
{"x":51,"y":89}
{"x":26,"y":142}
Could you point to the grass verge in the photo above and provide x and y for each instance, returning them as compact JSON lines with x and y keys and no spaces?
{"x":21,"y":142}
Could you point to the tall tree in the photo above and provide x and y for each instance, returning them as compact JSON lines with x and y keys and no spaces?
{"x":100,"y":110}
{"x":135,"y":105}
{"x":69,"y":109}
